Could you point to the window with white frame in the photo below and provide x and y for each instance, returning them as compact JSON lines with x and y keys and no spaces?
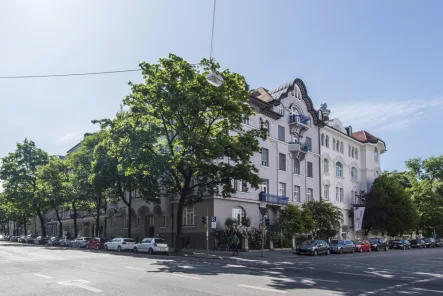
{"x":235,"y":185}
{"x":126,"y":221}
{"x":354,"y":174}
{"x":282,"y":162}
{"x":349,"y":150}
{"x":341,"y":194}
{"x":238,"y":214}
{"x":282,"y":189}
{"x":244,"y":186}
{"x":337,"y":146}
{"x":151,"y":221}
{"x":326,"y":191}
{"x":327,"y":141}
{"x":297,"y":193}
{"x":325,"y":165}
{"x":164,"y":220}
{"x":264,"y":186}
{"x":265,"y":157}
{"x":280,"y":109}
{"x":356,"y":153}
{"x":310,"y":168}
{"x":296,"y":166}
{"x":353,"y":152}
{"x":309,"y":143}
{"x":310,"y":195}
{"x":341,"y":147}
{"x":323,"y":139}
{"x":375,"y":154}
{"x":281,"y":133}
{"x":188,"y":216}
{"x":339,"y":169}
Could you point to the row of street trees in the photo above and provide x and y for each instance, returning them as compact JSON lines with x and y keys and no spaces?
{"x":168,"y":140}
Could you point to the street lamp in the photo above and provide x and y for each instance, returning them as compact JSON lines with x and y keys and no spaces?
{"x":213,"y":78}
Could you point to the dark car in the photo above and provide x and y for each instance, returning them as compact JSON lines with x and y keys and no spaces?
{"x":417,"y":243}
{"x":438,"y":242}
{"x":342,"y":246}
{"x":429,"y":242}
{"x":54,"y":241}
{"x":399,"y":244}
{"x":313,"y":247}
{"x":40,"y":240}
{"x":31,"y":238}
{"x":378,"y":244}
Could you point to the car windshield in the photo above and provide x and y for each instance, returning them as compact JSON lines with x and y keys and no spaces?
{"x":160,"y":241}
{"x":357,"y":242}
{"x":374,"y":240}
{"x":309,"y":243}
{"x":427,"y":239}
{"x":129,"y":240}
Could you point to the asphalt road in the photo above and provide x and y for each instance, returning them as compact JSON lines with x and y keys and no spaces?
{"x":45,"y":271}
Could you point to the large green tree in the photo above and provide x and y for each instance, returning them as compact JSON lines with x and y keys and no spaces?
{"x":20,"y":181}
{"x":194,"y":142}
{"x":326,"y":216}
{"x":294,"y":220}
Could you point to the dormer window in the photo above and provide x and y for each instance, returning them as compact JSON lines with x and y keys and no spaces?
{"x":280,"y":109}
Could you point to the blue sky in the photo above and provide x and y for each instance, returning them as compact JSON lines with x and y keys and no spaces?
{"x":378,"y":64}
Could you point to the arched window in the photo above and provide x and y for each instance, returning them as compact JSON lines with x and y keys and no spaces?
{"x":294,"y":111}
{"x":280,"y":109}
{"x":333,"y":144}
{"x":341,"y":147}
{"x":296,"y":166}
{"x":323,"y":139}
{"x":356,"y":153}
{"x":339,"y":169}
{"x":327,"y":141}
{"x":326,"y":165}
{"x":354,"y":174}
{"x":238,"y":214}
{"x":267,"y":127}
{"x":375,"y":154}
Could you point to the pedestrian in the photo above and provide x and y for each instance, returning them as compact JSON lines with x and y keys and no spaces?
{"x":235,"y":242}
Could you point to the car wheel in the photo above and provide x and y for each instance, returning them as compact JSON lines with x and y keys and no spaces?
{"x":106,"y":247}
{"x":119,"y":249}
{"x":341,"y":251}
{"x":135,"y":250}
{"x":151,"y":251}
{"x":328,"y":252}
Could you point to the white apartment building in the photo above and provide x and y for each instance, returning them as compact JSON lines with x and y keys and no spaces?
{"x":350,"y":164}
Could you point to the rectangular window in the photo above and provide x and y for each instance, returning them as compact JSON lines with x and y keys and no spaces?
{"x":264,"y":157}
{"x":137,"y":222}
{"x":281,"y":133}
{"x":264,"y":187}
{"x":164,"y":221}
{"x":282,"y":189}
{"x":310,"y":170}
{"x":282,"y":162}
{"x":244,"y":186}
{"x":151,"y":221}
{"x":296,"y":166}
{"x":188,"y":217}
{"x":309,"y":143}
{"x":297,"y":193}
{"x":337,"y":194}
{"x":341,"y":195}
{"x":326,"y":192}
{"x":310,"y":194}
{"x":236,"y":185}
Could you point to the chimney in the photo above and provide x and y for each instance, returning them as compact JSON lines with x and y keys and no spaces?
{"x":324,"y":111}
{"x":349,"y":130}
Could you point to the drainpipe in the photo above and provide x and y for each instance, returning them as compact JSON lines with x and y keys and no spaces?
{"x":319,"y":165}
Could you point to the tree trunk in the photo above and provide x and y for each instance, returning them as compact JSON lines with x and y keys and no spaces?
{"x":75,"y":220}
{"x":178,"y":237}
{"x":42,"y":223}
{"x":24,"y":226}
{"x":130,"y":216}
{"x":97,"y":218}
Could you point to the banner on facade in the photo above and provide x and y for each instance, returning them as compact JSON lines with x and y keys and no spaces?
{"x":358,"y":217}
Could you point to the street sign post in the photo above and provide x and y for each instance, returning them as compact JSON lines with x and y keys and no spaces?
{"x":214,"y":222}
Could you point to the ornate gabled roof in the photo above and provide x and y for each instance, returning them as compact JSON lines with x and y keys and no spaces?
{"x":366,"y":137}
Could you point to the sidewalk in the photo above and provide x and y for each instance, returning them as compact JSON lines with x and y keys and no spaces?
{"x":255,"y":255}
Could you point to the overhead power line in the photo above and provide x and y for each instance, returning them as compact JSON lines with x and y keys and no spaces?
{"x":70,"y":74}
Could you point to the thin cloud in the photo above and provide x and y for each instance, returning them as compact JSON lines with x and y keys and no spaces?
{"x":385,"y":114}
{"x":69,"y":137}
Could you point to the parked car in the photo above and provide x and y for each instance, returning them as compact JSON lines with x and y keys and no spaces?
{"x":429,"y":242}
{"x":13,"y":239}
{"x":31,"y":238}
{"x":152,"y":245}
{"x":342,"y":246}
{"x":97,"y":243}
{"x":120,"y":244}
{"x":417,"y":243}
{"x":314,"y":247}
{"x":362,"y":246}
{"x":22,"y":239}
{"x":378,"y":244}
{"x":40,"y":240}
{"x":438,"y":242}
{"x":54,"y":241}
{"x":79,"y":242}
{"x":399,"y":244}
{"x":66,"y":241}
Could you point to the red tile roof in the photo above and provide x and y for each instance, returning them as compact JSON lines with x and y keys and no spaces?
{"x":364,"y":136}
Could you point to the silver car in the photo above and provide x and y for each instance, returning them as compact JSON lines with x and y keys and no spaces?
{"x":342,"y":246}
{"x":80,"y":242}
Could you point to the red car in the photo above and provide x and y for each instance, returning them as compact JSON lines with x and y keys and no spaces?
{"x":96,"y":243}
{"x":362,"y":246}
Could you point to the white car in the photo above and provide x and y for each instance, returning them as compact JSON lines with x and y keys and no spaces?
{"x":79,"y":242}
{"x":152,"y":245}
{"x":120,"y":244}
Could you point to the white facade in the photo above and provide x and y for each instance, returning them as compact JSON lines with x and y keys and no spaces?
{"x":350,"y":164}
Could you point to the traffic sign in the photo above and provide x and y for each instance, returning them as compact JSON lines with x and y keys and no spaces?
{"x":214,"y":219}
{"x":213,"y":225}
{"x":261,"y":221}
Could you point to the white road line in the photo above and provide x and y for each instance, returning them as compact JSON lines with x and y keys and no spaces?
{"x":263,"y":289}
{"x":83,"y":286}
{"x":186,"y":276}
{"x":356,"y":274}
{"x":135,"y":268}
{"x":43,"y":276}
{"x":427,"y":290}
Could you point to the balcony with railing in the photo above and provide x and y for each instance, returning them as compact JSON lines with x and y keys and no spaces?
{"x":298,"y":147}
{"x":273,"y":198}
{"x":297,"y":119}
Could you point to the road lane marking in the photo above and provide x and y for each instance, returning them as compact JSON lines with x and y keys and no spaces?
{"x":43,"y":276}
{"x":356,"y":274}
{"x":134,"y":268}
{"x":80,"y":284}
{"x":427,"y":290}
{"x":263,"y":289}
{"x":186,"y":276}
{"x":83,"y":286}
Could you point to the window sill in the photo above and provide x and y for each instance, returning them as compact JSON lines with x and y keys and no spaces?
{"x":340,"y":177}
{"x":162,"y":226}
{"x":281,"y":170}
{"x":189,"y":226}
{"x":264,"y":166}
{"x":309,"y":177}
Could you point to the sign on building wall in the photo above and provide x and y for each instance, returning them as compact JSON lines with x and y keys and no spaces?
{"x":358,"y":217}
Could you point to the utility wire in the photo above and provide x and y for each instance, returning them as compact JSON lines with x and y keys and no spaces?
{"x":212,"y":36}
{"x":70,"y":74}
